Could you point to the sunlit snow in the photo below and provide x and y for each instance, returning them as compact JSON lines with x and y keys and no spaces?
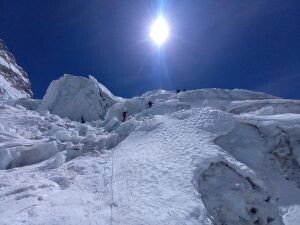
{"x":208,"y":156}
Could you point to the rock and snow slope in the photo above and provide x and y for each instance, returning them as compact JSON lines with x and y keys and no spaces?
{"x":208,"y":156}
{"x":14,"y":82}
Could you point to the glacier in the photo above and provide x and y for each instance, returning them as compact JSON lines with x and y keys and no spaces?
{"x":207,"y":156}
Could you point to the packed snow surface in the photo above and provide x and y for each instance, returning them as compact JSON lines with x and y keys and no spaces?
{"x":209,"y":156}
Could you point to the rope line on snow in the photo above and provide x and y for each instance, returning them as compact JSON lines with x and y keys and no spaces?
{"x":111,"y":188}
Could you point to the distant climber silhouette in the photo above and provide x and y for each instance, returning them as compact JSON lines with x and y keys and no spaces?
{"x":150,"y":104}
{"x":177,"y":91}
{"x":124,"y":114}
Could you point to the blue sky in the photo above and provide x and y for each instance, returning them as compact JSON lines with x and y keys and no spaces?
{"x":215,"y":43}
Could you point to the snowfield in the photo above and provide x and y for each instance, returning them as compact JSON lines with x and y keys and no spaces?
{"x":208,"y":156}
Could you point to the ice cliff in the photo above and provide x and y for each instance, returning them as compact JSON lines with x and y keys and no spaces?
{"x":78,"y":98}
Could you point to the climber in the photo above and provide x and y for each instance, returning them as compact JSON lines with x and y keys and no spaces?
{"x":177,"y":91}
{"x":124,"y":114}
{"x":150,"y":104}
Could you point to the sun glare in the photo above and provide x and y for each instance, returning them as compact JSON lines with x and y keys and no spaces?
{"x":159,"y":31}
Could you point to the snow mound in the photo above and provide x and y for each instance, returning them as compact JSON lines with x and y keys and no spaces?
{"x":77,"y":98}
{"x":28,"y":103}
{"x":223,"y":94}
{"x":36,"y":153}
{"x":265,"y":107}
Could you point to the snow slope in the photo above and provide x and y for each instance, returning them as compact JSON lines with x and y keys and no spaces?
{"x":207,"y":156}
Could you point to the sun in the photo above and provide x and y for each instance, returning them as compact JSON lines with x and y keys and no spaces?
{"x":159,"y":31}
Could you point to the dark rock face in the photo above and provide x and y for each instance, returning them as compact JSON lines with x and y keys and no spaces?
{"x":13,"y":73}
